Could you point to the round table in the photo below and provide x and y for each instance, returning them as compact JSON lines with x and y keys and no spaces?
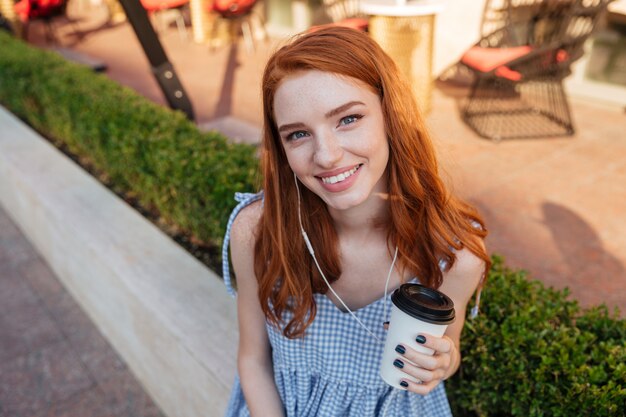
{"x":405,"y":31}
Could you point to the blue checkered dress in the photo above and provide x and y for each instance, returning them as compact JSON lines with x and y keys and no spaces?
{"x":333,"y":370}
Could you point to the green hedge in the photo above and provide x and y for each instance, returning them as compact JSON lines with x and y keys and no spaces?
{"x":530,"y":352}
{"x":534,"y":352}
{"x":147,"y":150}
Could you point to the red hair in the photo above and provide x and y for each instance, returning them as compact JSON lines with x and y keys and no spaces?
{"x":425,"y":221}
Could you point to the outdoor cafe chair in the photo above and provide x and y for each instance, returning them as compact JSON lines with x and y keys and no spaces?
{"x":346,"y":13}
{"x":519,"y":70}
{"x":159,"y":8}
{"x":240,"y":16}
{"x":42,"y":10}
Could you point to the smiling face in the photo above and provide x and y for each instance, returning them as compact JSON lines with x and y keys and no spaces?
{"x":333,"y":133}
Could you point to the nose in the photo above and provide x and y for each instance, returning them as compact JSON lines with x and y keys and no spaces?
{"x":328,"y":150}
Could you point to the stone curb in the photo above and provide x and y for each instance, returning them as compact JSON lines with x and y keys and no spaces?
{"x":166,"y":314}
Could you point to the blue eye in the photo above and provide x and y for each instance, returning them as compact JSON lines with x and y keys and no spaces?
{"x":298,"y":134}
{"x":350,"y":119}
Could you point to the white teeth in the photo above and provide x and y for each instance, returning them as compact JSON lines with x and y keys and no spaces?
{"x":340,"y":177}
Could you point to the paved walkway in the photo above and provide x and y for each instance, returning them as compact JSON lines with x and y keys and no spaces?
{"x":53,"y":360}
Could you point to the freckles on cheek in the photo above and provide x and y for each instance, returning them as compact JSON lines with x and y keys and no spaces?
{"x":375,"y":146}
{"x":293,"y":162}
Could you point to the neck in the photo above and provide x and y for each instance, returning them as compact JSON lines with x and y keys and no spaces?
{"x":363,"y":220}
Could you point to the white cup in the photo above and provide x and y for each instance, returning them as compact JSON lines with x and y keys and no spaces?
{"x":416,"y":310}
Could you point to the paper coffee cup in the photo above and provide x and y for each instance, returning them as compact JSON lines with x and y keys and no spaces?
{"x":416,"y":310}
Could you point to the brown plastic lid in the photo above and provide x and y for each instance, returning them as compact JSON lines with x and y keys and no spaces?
{"x":424,"y":303}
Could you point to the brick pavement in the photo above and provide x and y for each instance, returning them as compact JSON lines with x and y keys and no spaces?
{"x":53,"y":360}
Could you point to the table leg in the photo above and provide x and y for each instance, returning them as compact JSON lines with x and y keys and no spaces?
{"x":409,"y":42}
{"x":116,"y":11}
{"x":200,"y":20}
{"x":301,"y":15}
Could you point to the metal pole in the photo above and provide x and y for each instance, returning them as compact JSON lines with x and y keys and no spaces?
{"x":162,"y":69}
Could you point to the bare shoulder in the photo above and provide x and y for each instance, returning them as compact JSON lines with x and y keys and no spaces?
{"x":464,"y":276}
{"x":467,"y":263}
{"x":242,"y":239}
{"x":242,"y":232}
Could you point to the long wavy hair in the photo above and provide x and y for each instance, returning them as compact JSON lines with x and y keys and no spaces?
{"x":425,"y":221}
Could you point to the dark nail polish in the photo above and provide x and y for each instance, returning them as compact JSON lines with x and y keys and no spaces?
{"x":400,"y":349}
{"x":420,"y":339}
{"x":404,"y":384}
{"x":385,"y":322}
{"x":398,"y":363}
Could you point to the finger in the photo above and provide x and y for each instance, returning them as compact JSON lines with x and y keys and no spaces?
{"x":438,"y":344}
{"x":420,"y":387}
{"x":416,"y":372}
{"x":422,"y":360}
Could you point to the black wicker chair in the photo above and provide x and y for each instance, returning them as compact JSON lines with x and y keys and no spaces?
{"x":519,"y":69}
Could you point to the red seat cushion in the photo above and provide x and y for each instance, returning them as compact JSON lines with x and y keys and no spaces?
{"x":31,"y":9}
{"x":508,"y":73}
{"x":561,"y":56}
{"x":488,"y":59}
{"x":357,"y":23}
{"x":21,"y":9}
{"x":232,"y":8}
{"x":156,"y":5}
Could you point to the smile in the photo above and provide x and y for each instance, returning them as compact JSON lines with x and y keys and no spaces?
{"x":340,"y":177}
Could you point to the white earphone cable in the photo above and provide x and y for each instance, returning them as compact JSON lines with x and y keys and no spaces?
{"x":312,"y":252}
{"x":395,"y":256}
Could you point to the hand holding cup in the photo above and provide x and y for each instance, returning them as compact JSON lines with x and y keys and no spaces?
{"x":417,"y":355}
{"x":425,"y":371}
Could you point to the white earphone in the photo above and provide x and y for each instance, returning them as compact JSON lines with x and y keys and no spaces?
{"x":312,"y":252}
{"x":395,"y":392}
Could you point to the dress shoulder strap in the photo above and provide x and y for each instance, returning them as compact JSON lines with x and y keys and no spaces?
{"x":474,"y":311}
{"x":244,"y":200}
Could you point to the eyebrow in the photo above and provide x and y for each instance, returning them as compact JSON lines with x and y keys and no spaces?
{"x":290,"y":126}
{"x":343,"y":108}
{"x":329,"y":114}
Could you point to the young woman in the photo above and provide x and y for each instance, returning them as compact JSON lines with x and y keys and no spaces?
{"x":346,"y":158}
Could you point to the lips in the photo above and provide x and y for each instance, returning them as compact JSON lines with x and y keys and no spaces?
{"x":342,"y":175}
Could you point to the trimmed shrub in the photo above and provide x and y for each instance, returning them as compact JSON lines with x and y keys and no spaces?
{"x":148,"y":151}
{"x":533,"y":352}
